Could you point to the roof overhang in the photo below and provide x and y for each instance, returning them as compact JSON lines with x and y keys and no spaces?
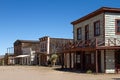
{"x":101,"y":10}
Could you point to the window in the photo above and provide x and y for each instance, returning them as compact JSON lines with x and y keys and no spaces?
{"x":79,"y":34}
{"x":92,"y":58}
{"x":97,"y":28}
{"x":88,"y":59}
{"x":117,"y":22}
{"x":86,"y":32}
{"x":78,"y":58}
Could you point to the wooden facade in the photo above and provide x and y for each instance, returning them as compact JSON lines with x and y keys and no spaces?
{"x":96,"y":42}
{"x":49,"y":46}
{"x":25,"y":47}
{"x":9,"y":59}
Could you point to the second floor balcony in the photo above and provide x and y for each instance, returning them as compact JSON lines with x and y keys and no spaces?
{"x":91,"y":45}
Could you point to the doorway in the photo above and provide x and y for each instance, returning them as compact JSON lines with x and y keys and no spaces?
{"x":117,"y":61}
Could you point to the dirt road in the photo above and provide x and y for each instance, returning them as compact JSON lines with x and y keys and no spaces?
{"x":48,"y":73}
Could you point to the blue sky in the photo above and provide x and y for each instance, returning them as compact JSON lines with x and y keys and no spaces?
{"x":32,"y":19}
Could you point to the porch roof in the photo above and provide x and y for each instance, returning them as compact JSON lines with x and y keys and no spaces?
{"x":21,"y":56}
{"x":91,"y":49}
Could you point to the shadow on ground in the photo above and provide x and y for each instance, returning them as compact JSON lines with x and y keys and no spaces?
{"x":116,"y":78}
{"x":68,"y":70}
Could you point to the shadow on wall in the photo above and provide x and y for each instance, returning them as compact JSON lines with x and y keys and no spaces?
{"x":116,"y":78}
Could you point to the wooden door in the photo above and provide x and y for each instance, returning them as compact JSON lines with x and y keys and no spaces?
{"x":78,"y":60}
{"x":117,"y":61}
{"x":87,"y":64}
{"x":99,"y":62}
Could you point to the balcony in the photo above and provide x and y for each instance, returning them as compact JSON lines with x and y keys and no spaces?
{"x":91,"y":45}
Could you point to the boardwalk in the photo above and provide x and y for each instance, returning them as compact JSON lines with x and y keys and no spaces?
{"x":46,"y":73}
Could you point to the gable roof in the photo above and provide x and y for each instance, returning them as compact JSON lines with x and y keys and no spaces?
{"x":98,"y":11}
{"x":26,"y":41}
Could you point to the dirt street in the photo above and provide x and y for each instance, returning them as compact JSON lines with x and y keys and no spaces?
{"x":48,"y":73}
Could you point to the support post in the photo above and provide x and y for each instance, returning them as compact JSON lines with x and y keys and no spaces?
{"x":62,"y":60}
{"x":65,"y":57}
{"x":70,"y":60}
{"x":104,"y":61}
{"x":81,"y":61}
{"x":74,"y":63}
{"x":96,"y":58}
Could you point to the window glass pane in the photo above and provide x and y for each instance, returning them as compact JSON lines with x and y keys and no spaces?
{"x":118,"y":25}
{"x":97,"y":28}
{"x":86,"y":32}
{"x":78,"y":58}
{"x":79,"y":34}
{"x":92,"y":58}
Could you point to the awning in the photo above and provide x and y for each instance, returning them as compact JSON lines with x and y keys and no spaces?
{"x":21,"y":56}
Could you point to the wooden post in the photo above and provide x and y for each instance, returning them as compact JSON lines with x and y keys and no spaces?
{"x":65,"y":58}
{"x":62,"y":60}
{"x":104,"y":61}
{"x":96,"y":41}
{"x":81,"y":61}
{"x":74,"y":60}
{"x":70,"y":60}
{"x":96,"y":58}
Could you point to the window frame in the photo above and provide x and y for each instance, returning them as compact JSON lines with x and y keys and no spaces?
{"x":116,"y":26}
{"x":87,"y":32}
{"x":97,"y":29}
{"x":79,"y":34}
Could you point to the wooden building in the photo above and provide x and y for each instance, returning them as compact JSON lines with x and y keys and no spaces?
{"x":49,"y":46}
{"x":9,"y":59}
{"x":96,"y":44}
{"x":24,"y":51}
{"x":2,"y":60}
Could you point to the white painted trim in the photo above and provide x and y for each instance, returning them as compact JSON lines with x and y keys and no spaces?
{"x":48,"y":45}
{"x":110,"y":71}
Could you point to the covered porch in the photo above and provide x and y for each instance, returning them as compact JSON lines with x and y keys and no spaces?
{"x":91,"y":55}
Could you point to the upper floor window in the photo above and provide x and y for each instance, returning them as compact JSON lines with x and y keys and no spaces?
{"x":117,"y":25}
{"x":97,"y":28}
{"x":79,"y":34}
{"x":86,"y":32}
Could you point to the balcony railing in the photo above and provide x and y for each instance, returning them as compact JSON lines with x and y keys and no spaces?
{"x":93,"y":43}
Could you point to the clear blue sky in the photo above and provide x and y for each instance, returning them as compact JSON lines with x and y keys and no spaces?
{"x":32,"y":19}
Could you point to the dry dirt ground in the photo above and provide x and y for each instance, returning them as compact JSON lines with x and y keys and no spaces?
{"x":48,"y":73}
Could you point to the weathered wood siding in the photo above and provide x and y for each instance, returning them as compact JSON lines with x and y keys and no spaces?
{"x":110,"y":27}
{"x":90,"y":22}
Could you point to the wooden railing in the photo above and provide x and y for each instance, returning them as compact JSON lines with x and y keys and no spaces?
{"x":80,"y":44}
{"x":83,"y":44}
{"x":93,"y":43}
